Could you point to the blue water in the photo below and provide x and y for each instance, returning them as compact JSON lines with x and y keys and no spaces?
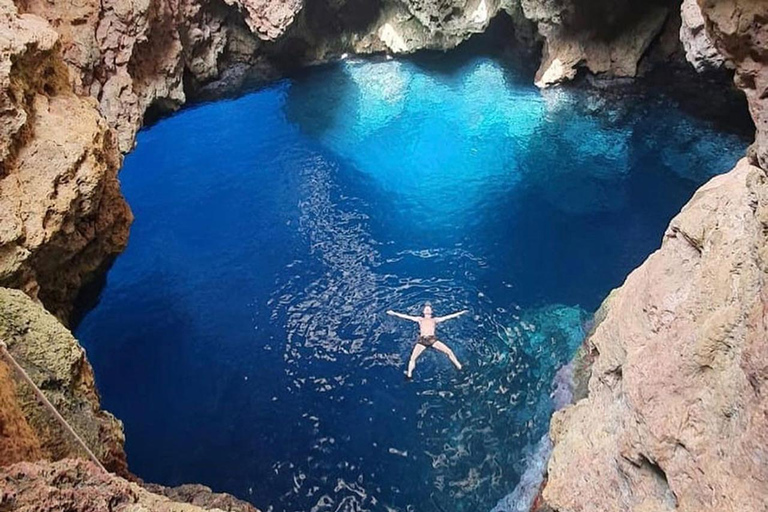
{"x":242,"y":338}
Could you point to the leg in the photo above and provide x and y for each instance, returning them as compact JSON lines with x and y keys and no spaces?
{"x":442,"y":347}
{"x":417,"y":350}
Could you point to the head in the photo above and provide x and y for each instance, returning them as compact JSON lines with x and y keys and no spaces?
{"x":427,"y":310}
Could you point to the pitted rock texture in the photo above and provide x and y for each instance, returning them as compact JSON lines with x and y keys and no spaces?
{"x":266,"y":18}
{"x":61,"y":211}
{"x":133,"y":55}
{"x":605,"y":37}
{"x":18,"y":442}
{"x":201,"y":496}
{"x":700,"y":50}
{"x":739,"y":29}
{"x":57,"y":364}
{"x":677,"y":414}
{"x":79,"y":486}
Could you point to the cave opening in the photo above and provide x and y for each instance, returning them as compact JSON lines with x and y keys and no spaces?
{"x":242,"y":338}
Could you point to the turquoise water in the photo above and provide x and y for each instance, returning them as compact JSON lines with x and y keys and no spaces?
{"x":242,"y":338}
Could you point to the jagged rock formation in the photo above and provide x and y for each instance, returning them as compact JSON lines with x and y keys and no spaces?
{"x":201,"y":496}
{"x":700,"y":50}
{"x":739,"y":29}
{"x":134,"y":55}
{"x":605,"y":37}
{"x":676,"y":417}
{"x":79,"y":486}
{"x":57,"y":364}
{"x":61,"y":210}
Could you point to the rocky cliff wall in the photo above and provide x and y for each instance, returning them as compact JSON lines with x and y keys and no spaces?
{"x":676,"y":416}
{"x":79,"y":486}
{"x":28,"y":432}
{"x":739,"y":29}
{"x":61,"y":210}
{"x":57,"y":364}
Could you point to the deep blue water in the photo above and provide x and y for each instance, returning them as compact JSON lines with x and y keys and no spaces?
{"x":242,"y":338}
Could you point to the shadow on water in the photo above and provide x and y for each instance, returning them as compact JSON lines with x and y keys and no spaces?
{"x":316,"y":113}
{"x":497,"y":42}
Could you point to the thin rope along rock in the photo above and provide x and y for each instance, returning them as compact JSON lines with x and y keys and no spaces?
{"x":49,"y":405}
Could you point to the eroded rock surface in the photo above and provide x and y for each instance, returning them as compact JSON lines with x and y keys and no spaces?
{"x":677,"y":414}
{"x":133,"y":55}
{"x":79,"y":486}
{"x":61,"y":210}
{"x":57,"y":364}
{"x":604,"y":37}
{"x":18,"y":442}
{"x":739,"y":29}
{"x":700,"y":50}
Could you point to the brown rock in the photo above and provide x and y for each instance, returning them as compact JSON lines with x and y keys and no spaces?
{"x":79,"y":486}
{"x":700,"y":50}
{"x":677,"y":414}
{"x":62,"y":213}
{"x":266,"y":18}
{"x":57,"y":364}
{"x":739,"y":29}
{"x":201,"y":496}
{"x":18,"y":442}
{"x":132,"y":55}
{"x":607,"y":38}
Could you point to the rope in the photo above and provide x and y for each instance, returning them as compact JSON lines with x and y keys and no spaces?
{"x":49,"y":405}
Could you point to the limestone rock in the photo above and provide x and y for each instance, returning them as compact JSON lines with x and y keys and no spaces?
{"x":61,"y":211}
{"x":18,"y":442}
{"x":57,"y":364}
{"x":677,"y":415}
{"x":131,"y":55}
{"x":700,"y":50}
{"x":79,"y":486}
{"x":266,"y":18}
{"x":606,"y":38}
{"x":201,"y":496}
{"x":405,"y":26}
{"x":739,"y":29}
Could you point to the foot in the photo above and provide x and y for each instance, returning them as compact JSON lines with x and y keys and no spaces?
{"x":458,"y":366}
{"x":408,"y":376}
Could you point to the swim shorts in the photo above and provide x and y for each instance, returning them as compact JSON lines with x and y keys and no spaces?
{"x":427,"y":341}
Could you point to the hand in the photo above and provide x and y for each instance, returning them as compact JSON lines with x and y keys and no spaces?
{"x":390,"y":312}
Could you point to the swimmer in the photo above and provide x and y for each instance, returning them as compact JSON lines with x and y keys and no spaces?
{"x":427,"y":336}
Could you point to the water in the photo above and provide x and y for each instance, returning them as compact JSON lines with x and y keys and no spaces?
{"x":242,"y":338}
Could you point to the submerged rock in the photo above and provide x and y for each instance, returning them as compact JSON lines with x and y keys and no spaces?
{"x":675,"y":418}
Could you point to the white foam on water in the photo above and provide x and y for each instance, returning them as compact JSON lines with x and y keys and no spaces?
{"x":521,"y":499}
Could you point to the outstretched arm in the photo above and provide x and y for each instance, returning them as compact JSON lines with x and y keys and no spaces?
{"x":451,"y":316}
{"x":403,"y":316}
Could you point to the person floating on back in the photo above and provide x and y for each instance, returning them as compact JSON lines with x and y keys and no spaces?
{"x":427,"y":336}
